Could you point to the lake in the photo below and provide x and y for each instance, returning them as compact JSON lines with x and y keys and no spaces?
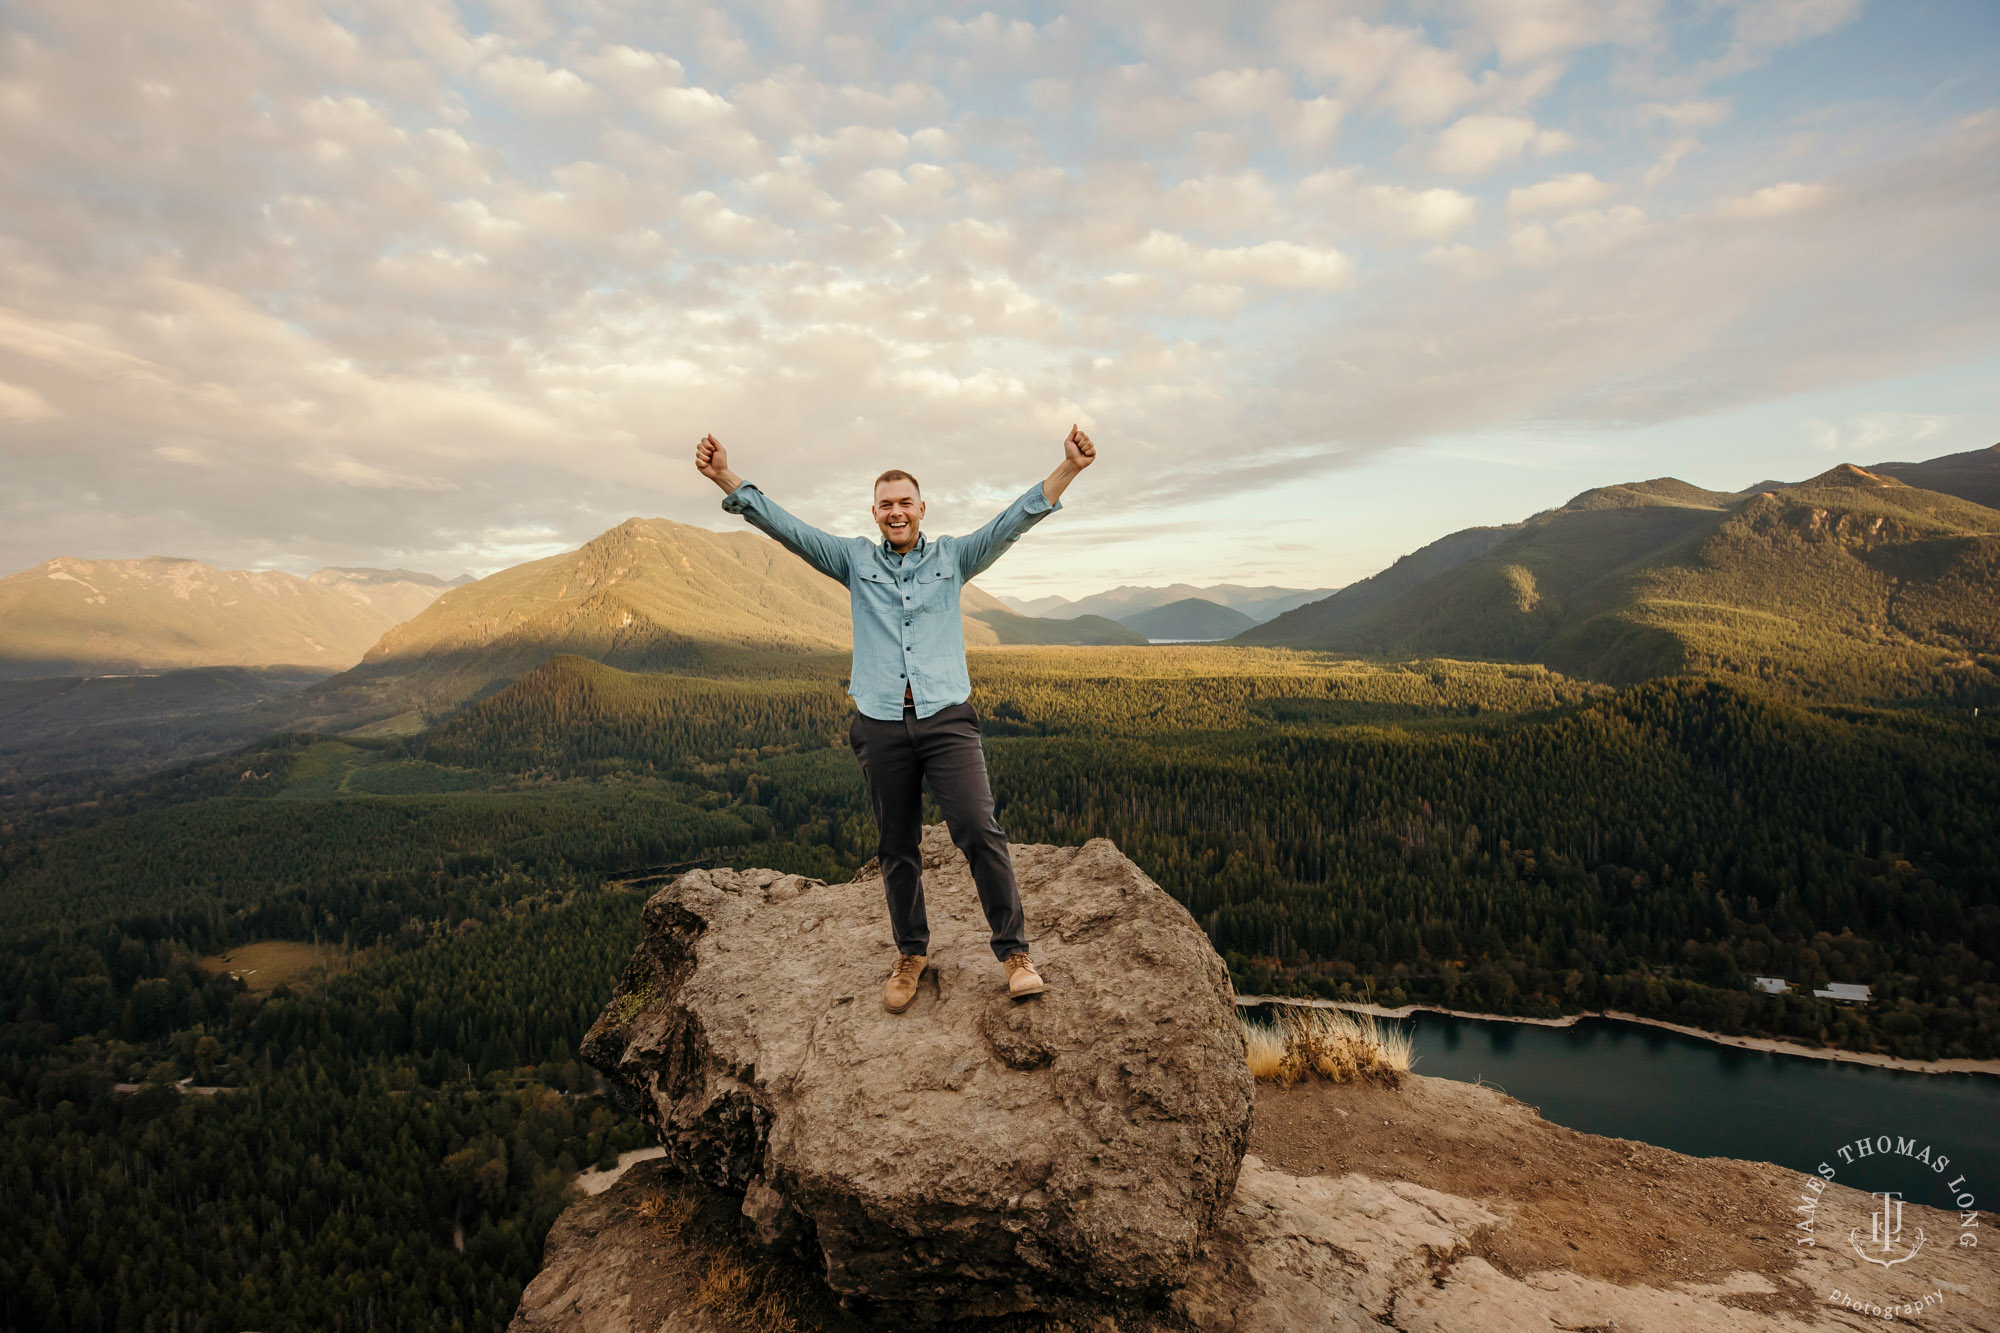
{"x":1631,"y":1081}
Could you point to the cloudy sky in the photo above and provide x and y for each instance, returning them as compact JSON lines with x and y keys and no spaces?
{"x":399,"y":282}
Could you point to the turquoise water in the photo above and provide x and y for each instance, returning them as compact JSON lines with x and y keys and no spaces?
{"x":1632,"y":1081}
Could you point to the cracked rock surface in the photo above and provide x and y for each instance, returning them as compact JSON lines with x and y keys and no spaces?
{"x":975,"y":1154}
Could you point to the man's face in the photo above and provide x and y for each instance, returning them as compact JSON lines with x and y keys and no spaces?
{"x":898,"y":511}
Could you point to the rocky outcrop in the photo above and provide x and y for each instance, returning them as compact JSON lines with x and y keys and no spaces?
{"x":1077,"y":1161}
{"x":974,"y":1155}
{"x":1539,"y":1228}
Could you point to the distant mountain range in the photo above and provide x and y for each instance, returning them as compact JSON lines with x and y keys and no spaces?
{"x":72,"y":617}
{"x":651,"y":595}
{"x":1862,"y":582}
{"x":1128,"y":600}
{"x":1191,"y":618}
{"x":1853,"y":583}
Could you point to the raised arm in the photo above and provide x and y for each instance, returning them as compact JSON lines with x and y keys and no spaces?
{"x":978,"y":550}
{"x":822,"y":550}
{"x":1078,"y":454}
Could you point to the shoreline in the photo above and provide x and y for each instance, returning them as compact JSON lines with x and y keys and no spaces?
{"x":1770,"y":1045}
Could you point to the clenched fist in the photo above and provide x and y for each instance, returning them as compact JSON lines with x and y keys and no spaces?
{"x":710,"y":458}
{"x":1078,"y":449}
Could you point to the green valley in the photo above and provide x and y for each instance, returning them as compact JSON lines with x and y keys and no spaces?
{"x":1737,"y":738}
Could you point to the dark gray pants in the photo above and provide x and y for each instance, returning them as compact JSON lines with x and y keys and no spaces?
{"x":898,"y":758}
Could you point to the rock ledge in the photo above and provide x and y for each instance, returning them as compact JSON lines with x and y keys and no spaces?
{"x":974,"y":1155}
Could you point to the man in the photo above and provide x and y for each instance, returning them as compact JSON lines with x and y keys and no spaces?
{"x":912,"y":722}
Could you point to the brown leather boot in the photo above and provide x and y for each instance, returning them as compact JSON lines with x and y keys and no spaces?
{"x":901,"y":987}
{"x":1022,"y":979}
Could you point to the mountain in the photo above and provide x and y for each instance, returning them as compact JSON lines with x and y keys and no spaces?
{"x":648,"y":595}
{"x":1324,"y":618}
{"x":1973,"y":476}
{"x":1490,"y":592}
{"x":91,"y":617}
{"x":990,"y":620}
{"x":1851,"y":583}
{"x":1035,"y":606}
{"x":1189,"y":618}
{"x":396,"y":593}
{"x":1128,"y":600}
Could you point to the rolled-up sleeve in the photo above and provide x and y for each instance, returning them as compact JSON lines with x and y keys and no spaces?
{"x":822,"y":550}
{"x":977,"y":550}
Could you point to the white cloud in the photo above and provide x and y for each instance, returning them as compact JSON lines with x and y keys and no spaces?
{"x":630,"y":70}
{"x":1703,"y":114}
{"x":21,"y":404}
{"x":713,"y":226}
{"x":1282,"y":264}
{"x":1220,"y":204}
{"x":1476,"y":144}
{"x":1395,"y":212}
{"x":1880,"y":437}
{"x":1381,"y":64}
{"x":534,"y":86}
{"x":1310,"y":124}
{"x":708,"y":125}
{"x":1772,"y":201}
{"x":1241,"y":92}
{"x":1527,"y":30}
{"x":856,"y":144}
{"x":1669,"y":160}
{"x":1758,"y":30}
{"x":1561,"y":194}
{"x":284,"y":287}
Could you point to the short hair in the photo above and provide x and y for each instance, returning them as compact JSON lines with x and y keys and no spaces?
{"x":897,"y":474}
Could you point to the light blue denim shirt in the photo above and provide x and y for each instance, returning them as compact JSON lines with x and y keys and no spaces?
{"x":906,"y":607}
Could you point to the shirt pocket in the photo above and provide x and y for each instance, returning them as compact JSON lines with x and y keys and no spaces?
{"x":934,"y":590}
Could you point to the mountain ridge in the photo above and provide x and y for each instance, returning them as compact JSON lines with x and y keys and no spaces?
{"x":1834,"y":579}
{"x":1259,"y":603}
{"x":69,"y":616}
{"x":1191,"y":618}
{"x":650,"y":594}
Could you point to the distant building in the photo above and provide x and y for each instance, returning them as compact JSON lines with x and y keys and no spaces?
{"x":1844,"y":990}
{"x":1773,"y":985}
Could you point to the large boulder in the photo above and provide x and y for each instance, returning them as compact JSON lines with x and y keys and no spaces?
{"x":975,"y":1154}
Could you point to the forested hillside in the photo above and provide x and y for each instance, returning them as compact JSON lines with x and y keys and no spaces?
{"x":1496,"y":837}
{"x":649,"y":595}
{"x":384,"y":1151}
{"x":1851,"y":586}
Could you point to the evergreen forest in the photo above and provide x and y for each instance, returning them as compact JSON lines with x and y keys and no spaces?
{"x":380,"y":1137}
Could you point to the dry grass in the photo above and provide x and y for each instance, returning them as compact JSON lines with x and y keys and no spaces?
{"x":669,"y":1210}
{"x":754,"y":1295}
{"x":1328,"y":1043}
{"x":746,"y":1291}
{"x":263,"y":964}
